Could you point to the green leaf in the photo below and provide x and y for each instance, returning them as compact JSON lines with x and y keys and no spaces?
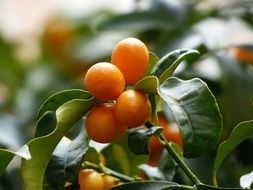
{"x":148,"y":85}
{"x":6,"y":156}
{"x":56,"y":100}
{"x":153,"y":59}
{"x":195,"y":111}
{"x":77,"y":150}
{"x":166,"y":66}
{"x":117,"y":158}
{"x":92,"y":155}
{"x":66,"y":161}
{"x":147,"y":185}
{"x":120,"y":158}
{"x":240,"y":133}
{"x":41,"y":148}
{"x":55,"y":172}
{"x":138,"y":139}
{"x":208,"y":187}
{"x":167,"y":164}
{"x":46,"y":124}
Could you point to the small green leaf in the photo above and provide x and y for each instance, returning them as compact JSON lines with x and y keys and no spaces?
{"x":41,"y":148}
{"x":208,"y":187}
{"x":148,"y":85}
{"x":92,"y":155}
{"x":138,"y":139}
{"x":153,"y":59}
{"x":166,"y":66}
{"x":6,"y":156}
{"x":56,"y":100}
{"x":147,"y":185}
{"x":240,"y":133}
{"x":195,"y":111}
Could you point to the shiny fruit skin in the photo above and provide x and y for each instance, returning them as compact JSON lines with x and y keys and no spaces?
{"x":131,"y":56}
{"x":109,"y":181}
{"x":104,"y":81}
{"x":90,"y":179}
{"x":102,"y":125}
{"x":132,"y":108}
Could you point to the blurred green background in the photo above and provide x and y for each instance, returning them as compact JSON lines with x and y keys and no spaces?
{"x":46,"y":46}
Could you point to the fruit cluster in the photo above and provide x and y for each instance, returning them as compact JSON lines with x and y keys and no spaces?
{"x":121,"y":109}
{"x":91,"y":179}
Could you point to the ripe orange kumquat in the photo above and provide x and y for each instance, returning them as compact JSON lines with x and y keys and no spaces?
{"x":132,"y":108}
{"x":109,"y":181}
{"x":131,"y":56}
{"x":101,"y":124}
{"x":104,"y":81}
{"x":90,"y":179}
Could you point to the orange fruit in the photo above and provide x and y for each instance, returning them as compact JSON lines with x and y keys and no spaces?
{"x":244,"y":55}
{"x":131,"y":56}
{"x":109,"y":181}
{"x":90,"y":179}
{"x":104,"y":81}
{"x":101,"y":124}
{"x":132,"y":108}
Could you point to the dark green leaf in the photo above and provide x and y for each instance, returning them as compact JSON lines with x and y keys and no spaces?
{"x":56,"y":100}
{"x":196,"y":112}
{"x":138,"y":139}
{"x":166,"y":66}
{"x":167,"y":165}
{"x":207,"y":187}
{"x":46,"y":124}
{"x":66,"y":160}
{"x":239,"y":134}
{"x":41,"y":148}
{"x":55,"y":172}
{"x":148,"y":85}
{"x":147,"y":185}
{"x":6,"y":156}
{"x":74,"y":157}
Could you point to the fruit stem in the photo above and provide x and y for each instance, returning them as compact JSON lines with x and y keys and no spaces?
{"x":102,"y":169}
{"x":177,"y":158}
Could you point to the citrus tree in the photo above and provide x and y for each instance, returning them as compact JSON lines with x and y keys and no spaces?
{"x":129,"y":109}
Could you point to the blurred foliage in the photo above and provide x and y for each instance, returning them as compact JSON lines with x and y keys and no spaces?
{"x":220,"y":30}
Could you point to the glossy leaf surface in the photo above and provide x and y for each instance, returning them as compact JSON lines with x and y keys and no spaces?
{"x":138,"y":140}
{"x":195,"y":111}
{"x":166,"y":66}
{"x":239,"y":134}
{"x":41,"y":148}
